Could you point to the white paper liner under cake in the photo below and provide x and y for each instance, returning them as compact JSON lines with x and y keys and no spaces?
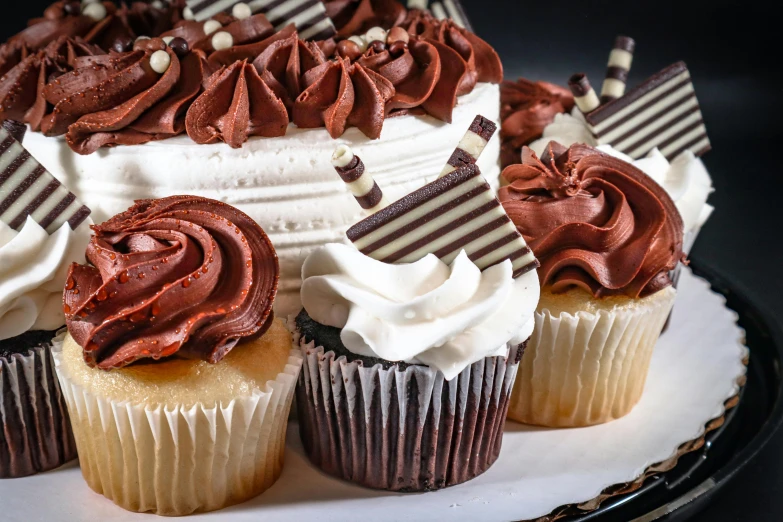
{"x":36,"y":433}
{"x":588,"y":368}
{"x":180,"y":460}
{"x":402,"y":430}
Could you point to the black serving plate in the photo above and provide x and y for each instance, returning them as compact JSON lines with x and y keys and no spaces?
{"x":682,"y":492}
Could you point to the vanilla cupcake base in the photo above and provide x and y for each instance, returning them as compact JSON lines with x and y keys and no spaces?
{"x":182,"y":436}
{"x":587,"y":360}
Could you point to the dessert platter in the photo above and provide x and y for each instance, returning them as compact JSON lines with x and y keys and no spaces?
{"x":274,"y":259}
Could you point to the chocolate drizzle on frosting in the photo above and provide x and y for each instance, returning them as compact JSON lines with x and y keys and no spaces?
{"x":183,"y":276}
{"x":593,"y":221}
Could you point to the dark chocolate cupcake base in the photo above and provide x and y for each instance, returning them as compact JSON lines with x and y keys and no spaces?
{"x":399,"y":427}
{"x":36,"y":434}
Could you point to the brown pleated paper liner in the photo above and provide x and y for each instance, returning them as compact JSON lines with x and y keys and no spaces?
{"x":36,"y":431}
{"x":402,"y":430}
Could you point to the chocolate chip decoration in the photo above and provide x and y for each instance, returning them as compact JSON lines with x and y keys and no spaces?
{"x":378,"y":46}
{"x":397,"y":34}
{"x":179,"y":46}
{"x":122,"y":44}
{"x":349,"y":49}
{"x":397,"y":48}
{"x":72,"y":8}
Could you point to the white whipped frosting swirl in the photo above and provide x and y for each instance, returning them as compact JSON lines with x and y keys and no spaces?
{"x":427,"y":312}
{"x":33,"y":268}
{"x":685,"y":179}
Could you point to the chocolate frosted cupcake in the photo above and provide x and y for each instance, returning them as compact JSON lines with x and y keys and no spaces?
{"x":43,"y":229}
{"x":177,"y":377}
{"x":608,"y":238}
{"x":412,"y":336}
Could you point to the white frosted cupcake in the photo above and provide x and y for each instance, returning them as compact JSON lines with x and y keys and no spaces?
{"x":607,"y":237}
{"x":177,"y":377}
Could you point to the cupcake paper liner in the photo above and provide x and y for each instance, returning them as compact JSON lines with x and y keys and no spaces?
{"x":587,"y":368}
{"x":36,"y":431}
{"x":180,"y":460}
{"x":402,"y":430}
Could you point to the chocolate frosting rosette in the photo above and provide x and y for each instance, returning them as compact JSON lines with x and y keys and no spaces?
{"x":608,"y":237}
{"x":174,"y":351}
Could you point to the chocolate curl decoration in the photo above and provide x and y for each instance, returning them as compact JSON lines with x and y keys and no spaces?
{"x":361,"y":184}
{"x":584,"y":94}
{"x":471,"y":145}
{"x":620,"y":60}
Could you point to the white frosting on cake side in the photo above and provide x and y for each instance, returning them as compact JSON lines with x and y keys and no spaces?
{"x":287,"y":184}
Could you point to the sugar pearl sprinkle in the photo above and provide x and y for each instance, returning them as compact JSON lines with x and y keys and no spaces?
{"x":210,"y":26}
{"x":187,"y":14}
{"x":168,"y":39}
{"x":222,"y":40}
{"x":95,"y":11}
{"x":241,"y":11}
{"x":160,"y":61}
{"x":361,"y":42}
{"x":375,"y":34}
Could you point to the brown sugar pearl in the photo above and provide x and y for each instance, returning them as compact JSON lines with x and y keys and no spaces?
{"x":397,"y":48}
{"x":349,"y":49}
{"x":179,"y":46}
{"x":72,"y":8}
{"x":122,"y":44}
{"x":378,"y":46}
{"x":397,"y":34}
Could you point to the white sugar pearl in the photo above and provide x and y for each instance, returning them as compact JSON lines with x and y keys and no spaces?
{"x":95,"y":11}
{"x":168,"y":39}
{"x":160,"y":61}
{"x":210,"y":26}
{"x":222,"y":40}
{"x":241,"y":11}
{"x":157,"y":4}
{"x":85,"y":2}
{"x":187,"y":14}
{"x":141,"y":38}
{"x":361,"y":42}
{"x":376,"y":33}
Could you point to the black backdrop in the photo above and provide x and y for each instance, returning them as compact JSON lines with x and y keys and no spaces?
{"x":733,"y":52}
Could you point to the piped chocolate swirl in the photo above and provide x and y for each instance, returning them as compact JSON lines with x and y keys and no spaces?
{"x":185,"y":276}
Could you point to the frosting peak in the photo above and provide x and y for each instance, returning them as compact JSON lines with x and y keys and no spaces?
{"x":594,"y":221}
{"x":182,"y":275}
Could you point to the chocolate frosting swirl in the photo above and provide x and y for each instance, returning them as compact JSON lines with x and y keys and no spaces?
{"x":526,"y":109}
{"x":357,"y":16}
{"x":184,"y":276}
{"x":593,"y":221}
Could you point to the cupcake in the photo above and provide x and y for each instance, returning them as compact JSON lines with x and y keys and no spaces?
{"x":412,"y":336}
{"x":43,"y":229}
{"x":177,"y":377}
{"x":608,"y":238}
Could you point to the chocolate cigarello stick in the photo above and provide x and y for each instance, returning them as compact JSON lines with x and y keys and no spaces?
{"x":359,"y":182}
{"x":620,"y":60}
{"x":584,"y":95}
{"x":16,"y":129}
{"x":471,"y":145}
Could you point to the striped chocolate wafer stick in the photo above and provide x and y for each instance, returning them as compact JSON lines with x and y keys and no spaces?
{"x":662,"y":112}
{"x":457,"y":13}
{"x":418,"y":4}
{"x":438,"y":11}
{"x":620,"y":60}
{"x":456,"y":212}
{"x":28,"y":189}
{"x":361,"y":184}
{"x":584,"y":94}
{"x":471,"y":145}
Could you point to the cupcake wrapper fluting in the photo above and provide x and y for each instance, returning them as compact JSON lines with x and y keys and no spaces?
{"x":36,"y":432}
{"x":405,"y":430}
{"x":587,"y":368}
{"x":176,"y":461}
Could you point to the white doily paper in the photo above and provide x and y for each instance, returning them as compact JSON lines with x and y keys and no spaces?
{"x":695,"y":368}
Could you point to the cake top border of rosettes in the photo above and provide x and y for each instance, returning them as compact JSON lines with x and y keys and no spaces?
{"x":94,"y":75}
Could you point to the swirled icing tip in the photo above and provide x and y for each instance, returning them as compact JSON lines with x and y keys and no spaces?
{"x":28,"y":189}
{"x":471,"y":145}
{"x":358,"y":181}
{"x":456,"y":212}
{"x":309,"y":16}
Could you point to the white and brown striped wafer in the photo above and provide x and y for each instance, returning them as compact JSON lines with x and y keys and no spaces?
{"x":471,"y":145}
{"x":28,"y":189}
{"x":662,"y":113}
{"x":584,"y":94}
{"x":359,"y":182}
{"x":617,"y":69}
{"x":418,"y":4}
{"x":456,"y":212}
{"x":457,"y":14}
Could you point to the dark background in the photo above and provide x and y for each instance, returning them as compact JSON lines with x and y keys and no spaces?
{"x":733,"y":52}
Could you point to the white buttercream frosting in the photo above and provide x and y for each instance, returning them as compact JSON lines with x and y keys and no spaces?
{"x":286,"y":184}
{"x":685,"y":179}
{"x":427,"y":312}
{"x":33,"y":268}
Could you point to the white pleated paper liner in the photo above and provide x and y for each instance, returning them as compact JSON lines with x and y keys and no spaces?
{"x":407,"y":430}
{"x":36,"y":432}
{"x":588,"y":368}
{"x":177,"y":461}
